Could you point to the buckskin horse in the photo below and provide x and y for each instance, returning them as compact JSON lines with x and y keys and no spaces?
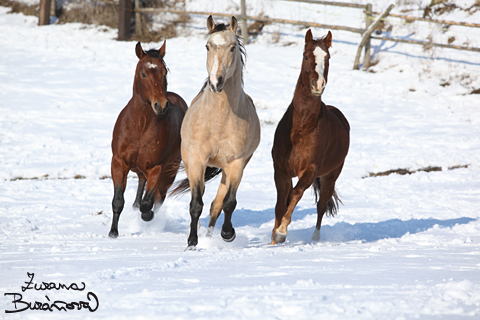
{"x":311,"y":142}
{"x":146,"y":137}
{"x":220,"y":132}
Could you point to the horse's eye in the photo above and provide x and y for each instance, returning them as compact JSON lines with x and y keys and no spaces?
{"x":305,"y":57}
{"x":207,"y":48}
{"x":232,"y":48}
{"x":144,"y":75}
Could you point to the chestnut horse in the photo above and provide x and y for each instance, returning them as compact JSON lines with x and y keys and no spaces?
{"x":146,"y":137}
{"x":220,"y":132}
{"x":311,"y":142}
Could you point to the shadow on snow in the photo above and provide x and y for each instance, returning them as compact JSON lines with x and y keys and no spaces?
{"x":341,"y":231}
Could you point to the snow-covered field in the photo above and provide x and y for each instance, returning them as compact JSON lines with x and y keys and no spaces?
{"x":401,"y":247}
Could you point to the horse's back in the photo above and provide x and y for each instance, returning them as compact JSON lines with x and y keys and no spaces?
{"x":340,"y":116}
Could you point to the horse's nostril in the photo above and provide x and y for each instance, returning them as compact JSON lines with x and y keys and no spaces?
{"x":220,"y":81}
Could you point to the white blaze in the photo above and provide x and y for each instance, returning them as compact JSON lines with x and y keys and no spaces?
{"x":320,"y":65}
{"x":213,"y":72}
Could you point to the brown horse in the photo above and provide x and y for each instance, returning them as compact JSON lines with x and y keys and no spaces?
{"x":311,"y":142}
{"x":146,"y":137}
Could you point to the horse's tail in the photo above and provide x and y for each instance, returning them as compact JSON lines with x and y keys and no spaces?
{"x":332,"y":204}
{"x":183,"y":186}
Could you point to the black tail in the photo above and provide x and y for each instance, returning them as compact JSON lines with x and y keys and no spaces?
{"x":183,"y":186}
{"x":332,"y":204}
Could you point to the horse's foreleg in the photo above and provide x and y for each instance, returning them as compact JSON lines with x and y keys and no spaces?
{"x":195,"y":173}
{"x":304,"y":182}
{"x":141,"y":187}
{"x":284,"y":187}
{"x":119,"y":176}
{"x":233,"y":173}
{"x":153,"y":181}
{"x":217,"y":205}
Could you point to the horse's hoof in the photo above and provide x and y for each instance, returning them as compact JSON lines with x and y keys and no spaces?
{"x":316,"y":235}
{"x":147,"y":216}
{"x":191,"y":248}
{"x":113,"y":234}
{"x":228,"y":236}
{"x":279,"y":237}
{"x":209,"y":233}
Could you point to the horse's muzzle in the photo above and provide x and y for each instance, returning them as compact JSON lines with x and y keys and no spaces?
{"x":159,"y":109}
{"x":216,"y":88}
{"x":316,"y":90}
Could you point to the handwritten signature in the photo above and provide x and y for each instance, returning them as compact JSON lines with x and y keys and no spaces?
{"x":20,"y":305}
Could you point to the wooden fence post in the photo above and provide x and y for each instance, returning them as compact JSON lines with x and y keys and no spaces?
{"x":138,"y":19}
{"x":124,"y":19}
{"x":368,"y":22}
{"x":367,"y":33}
{"x":44,"y":13}
{"x":244,"y":22}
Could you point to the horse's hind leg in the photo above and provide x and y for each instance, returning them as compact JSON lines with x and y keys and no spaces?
{"x":328,"y":199}
{"x":141,"y":187}
{"x":119,"y":177}
{"x":217,"y":204}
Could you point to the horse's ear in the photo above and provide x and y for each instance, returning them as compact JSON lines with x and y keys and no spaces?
{"x":162,"y":49}
{"x":139,"y":50}
{"x":233,"y":24}
{"x":308,"y":36}
{"x":328,"y":39}
{"x":210,"y":23}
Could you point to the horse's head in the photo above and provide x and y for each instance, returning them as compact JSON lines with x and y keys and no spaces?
{"x":151,"y":78}
{"x":223,"y":53}
{"x":315,"y":62}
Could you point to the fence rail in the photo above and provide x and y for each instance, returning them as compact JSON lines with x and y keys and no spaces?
{"x":126,"y":9}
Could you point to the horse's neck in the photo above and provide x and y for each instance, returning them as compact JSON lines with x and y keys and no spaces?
{"x":233,"y":89}
{"x":305,"y":104}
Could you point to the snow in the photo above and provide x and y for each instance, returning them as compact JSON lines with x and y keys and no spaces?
{"x":401,"y":246}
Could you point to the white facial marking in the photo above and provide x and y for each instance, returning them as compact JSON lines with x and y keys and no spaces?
{"x":151,"y":65}
{"x":319,"y":60}
{"x":213,"y":72}
{"x":320,"y":66}
{"x":217,"y":39}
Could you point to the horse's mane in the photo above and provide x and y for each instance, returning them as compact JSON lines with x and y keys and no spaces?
{"x":243,"y":54}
